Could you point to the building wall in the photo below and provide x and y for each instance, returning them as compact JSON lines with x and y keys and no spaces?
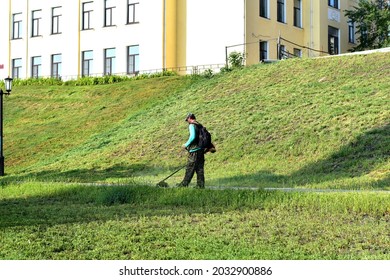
{"x":269,"y":29}
{"x":169,"y":33}
{"x":311,"y":38}
{"x":213,"y":25}
{"x":73,"y":41}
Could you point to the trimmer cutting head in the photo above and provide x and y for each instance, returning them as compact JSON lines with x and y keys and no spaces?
{"x":162,"y":184}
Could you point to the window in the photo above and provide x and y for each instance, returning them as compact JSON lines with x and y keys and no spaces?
{"x":56,"y":61}
{"x":17,"y":26}
{"x":263,"y":50}
{"x":36,"y":19}
{"x":264,"y":8}
{"x":55,"y":20}
{"x":133,"y":59}
{"x":87,"y":63}
{"x":87,"y":14}
{"x":297,"y":52}
{"x":283,"y":52}
{"x":131,"y":12}
{"x":109,"y":61}
{"x":108,"y":12}
{"x":36,"y":67}
{"x":16,"y":68}
{"x":351,"y":32}
{"x":333,"y":40}
{"x":281,"y":13}
{"x":297,"y":13}
{"x":333,"y":3}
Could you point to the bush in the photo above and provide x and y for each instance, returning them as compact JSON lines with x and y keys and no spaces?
{"x":88,"y":81}
{"x":236,"y":59}
{"x":208,"y":73}
{"x":225,"y":69}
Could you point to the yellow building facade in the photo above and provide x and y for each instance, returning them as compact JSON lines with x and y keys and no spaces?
{"x":273,"y":29}
{"x":174,"y":33}
{"x":303,"y":28}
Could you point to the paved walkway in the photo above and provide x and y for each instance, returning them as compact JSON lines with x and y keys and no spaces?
{"x":301,"y":189}
{"x":254,"y":188}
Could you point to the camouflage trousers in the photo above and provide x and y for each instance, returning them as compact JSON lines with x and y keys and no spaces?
{"x":195,"y":163}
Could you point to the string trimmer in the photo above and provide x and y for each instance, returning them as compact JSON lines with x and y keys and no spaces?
{"x":163,"y":184}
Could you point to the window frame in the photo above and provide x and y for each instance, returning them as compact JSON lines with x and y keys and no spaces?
{"x":17,"y":23}
{"x":108,"y":19}
{"x":297,"y":52}
{"x":281,"y":11}
{"x":132,"y":68}
{"x":56,"y":66}
{"x":282,"y":51}
{"x":16,"y":69}
{"x":35,"y":23}
{"x":86,"y":62}
{"x":86,"y":15}
{"x":109,"y":62}
{"x":36,"y":68}
{"x":351,"y":32}
{"x":263,"y":52}
{"x":55,"y":20}
{"x":132,"y":8}
{"x":264,"y":8}
{"x":298,"y":14}
{"x":336,"y":43}
{"x":334,"y":4}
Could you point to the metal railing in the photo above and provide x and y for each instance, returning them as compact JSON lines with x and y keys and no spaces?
{"x":183,"y":70}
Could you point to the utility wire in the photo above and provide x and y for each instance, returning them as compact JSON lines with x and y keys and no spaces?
{"x":302,"y":46}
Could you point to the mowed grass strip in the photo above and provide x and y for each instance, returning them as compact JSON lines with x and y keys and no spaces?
{"x":58,"y":221}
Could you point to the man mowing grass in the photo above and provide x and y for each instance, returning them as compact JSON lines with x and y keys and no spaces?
{"x":195,"y":161}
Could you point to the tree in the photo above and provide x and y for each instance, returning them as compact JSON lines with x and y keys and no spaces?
{"x":372,"y":18}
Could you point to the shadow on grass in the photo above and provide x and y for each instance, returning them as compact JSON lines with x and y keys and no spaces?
{"x":357,"y":158}
{"x":82,"y":175}
{"x":68,"y":204}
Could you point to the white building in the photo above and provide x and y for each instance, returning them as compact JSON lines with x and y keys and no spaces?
{"x":74,"y":38}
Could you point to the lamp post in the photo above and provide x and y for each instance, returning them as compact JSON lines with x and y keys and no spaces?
{"x":8,"y":88}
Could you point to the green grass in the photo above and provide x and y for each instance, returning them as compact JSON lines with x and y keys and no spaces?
{"x":57,"y":221}
{"x":321,"y":124}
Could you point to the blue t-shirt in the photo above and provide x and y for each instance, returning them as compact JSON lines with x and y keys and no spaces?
{"x":192,"y":138}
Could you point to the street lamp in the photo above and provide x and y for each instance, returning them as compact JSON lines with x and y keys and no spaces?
{"x":8,"y":88}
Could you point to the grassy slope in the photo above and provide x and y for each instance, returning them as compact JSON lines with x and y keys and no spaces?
{"x":313,"y":123}
{"x":319,"y":123}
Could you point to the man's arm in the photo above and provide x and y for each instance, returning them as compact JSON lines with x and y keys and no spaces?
{"x":191,"y":128}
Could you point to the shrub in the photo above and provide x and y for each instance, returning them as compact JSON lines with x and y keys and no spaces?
{"x":208,"y":73}
{"x":236,"y":59}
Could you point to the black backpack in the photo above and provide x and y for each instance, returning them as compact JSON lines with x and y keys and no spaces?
{"x":204,"y":135}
